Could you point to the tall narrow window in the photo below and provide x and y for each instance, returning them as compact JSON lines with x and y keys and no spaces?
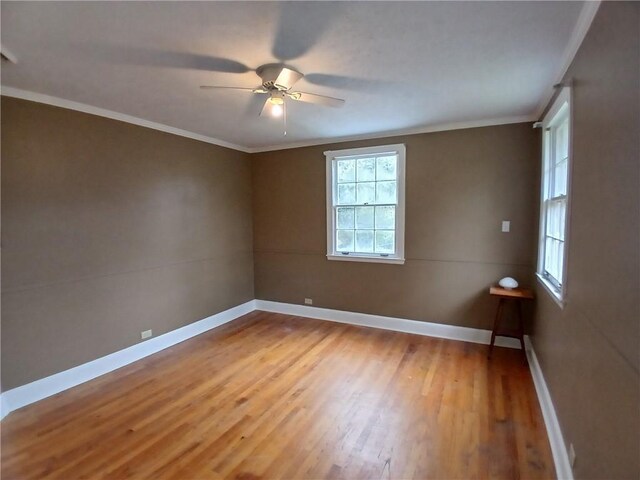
{"x":555,"y":196}
{"x":365,"y":204}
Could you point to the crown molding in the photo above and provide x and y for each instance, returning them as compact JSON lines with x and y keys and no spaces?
{"x":122,"y":117}
{"x":587,"y":14}
{"x":399,"y":133}
{"x":102,"y":112}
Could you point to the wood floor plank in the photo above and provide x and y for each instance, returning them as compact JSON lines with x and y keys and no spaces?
{"x":278,"y":396}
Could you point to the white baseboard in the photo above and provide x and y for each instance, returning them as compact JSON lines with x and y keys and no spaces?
{"x":21,"y":396}
{"x":32,"y":392}
{"x":556,"y":439}
{"x":4,"y":408}
{"x":439,"y":330}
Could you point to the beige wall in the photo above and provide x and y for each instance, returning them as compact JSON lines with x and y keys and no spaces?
{"x":590,"y":350}
{"x":109,"y":229}
{"x":460,"y":185}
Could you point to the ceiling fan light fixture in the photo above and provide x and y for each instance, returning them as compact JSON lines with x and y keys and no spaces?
{"x":276,"y":110}
{"x":277,"y":83}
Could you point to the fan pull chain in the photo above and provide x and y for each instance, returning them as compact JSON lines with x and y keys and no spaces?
{"x":284,"y":116}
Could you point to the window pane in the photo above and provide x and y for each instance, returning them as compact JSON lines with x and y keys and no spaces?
{"x":386,"y":168}
{"x":386,"y":192}
{"x":560,"y":261}
{"x":556,"y":210}
{"x":366,"y":169}
{"x":554,"y":254}
{"x":346,"y":171}
{"x":364,"y":217}
{"x":547,"y":165}
{"x":562,"y":141}
{"x":365,"y":192}
{"x":385,"y":241}
{"x":364,"y":241}
{"x":386,"y":218}
{"x":560,"y":178}
{"x":550,"y":223}
{"x":345,"y":218}
{"x":344,"y":240}
{"x":346,"y":193}
{"x":550,"y":256}
{"x":562,"y":218}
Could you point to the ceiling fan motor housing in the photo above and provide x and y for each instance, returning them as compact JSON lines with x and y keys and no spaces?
{"x":278,"y":77}
{"x":277,"y":97}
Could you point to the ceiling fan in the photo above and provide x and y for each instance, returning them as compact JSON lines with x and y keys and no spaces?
{"x":277,"y":82}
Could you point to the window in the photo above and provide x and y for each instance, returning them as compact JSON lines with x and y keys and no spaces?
{"x":554,"y":208}
{"x":365,"y":204}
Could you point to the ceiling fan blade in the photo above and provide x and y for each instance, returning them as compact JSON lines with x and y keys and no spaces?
{"x":287,"y":78}
{"x":347,"y":83}
{"x":270,"y":109}
{"x":157,"y":57}
{"x":301,"y":25}
{"x":214,"y":87}
{"x":317,"y":99}
{"x":254,"y":105}
{"x":266,"y":108}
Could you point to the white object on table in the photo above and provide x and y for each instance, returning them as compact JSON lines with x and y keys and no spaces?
{"x":508,"y":283}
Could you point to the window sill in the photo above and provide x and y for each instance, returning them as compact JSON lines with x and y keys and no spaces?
{"x":557,"y":297}
{"x":354,"y":258}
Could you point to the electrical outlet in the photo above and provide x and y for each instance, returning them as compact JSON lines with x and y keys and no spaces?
{"x":308,"y":301}
{"x":146,"y":334}
{"x":506,"y":226}
{"x":572,"y":455}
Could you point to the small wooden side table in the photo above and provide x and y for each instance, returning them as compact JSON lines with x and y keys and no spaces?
{"x":517,"y":295}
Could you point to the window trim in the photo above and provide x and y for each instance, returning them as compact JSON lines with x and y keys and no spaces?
{"x":559,"y":295}
{"x":331,"y":155}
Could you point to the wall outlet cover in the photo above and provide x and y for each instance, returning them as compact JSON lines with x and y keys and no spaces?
{"x":308,"y":301}
{"x":506,"y":226}
{"x":146,"y":334}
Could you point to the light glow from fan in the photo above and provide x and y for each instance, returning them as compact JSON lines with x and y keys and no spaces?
{"x":276,"y":110}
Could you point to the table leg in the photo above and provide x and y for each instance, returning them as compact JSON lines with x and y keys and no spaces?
{"x":521,"y":329}
{"x":496,"y":325}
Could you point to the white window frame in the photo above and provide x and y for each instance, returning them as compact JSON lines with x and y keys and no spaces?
{"x":562,"y":102}
{"x":332,"y":254}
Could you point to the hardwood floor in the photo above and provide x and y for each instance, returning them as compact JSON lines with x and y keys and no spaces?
{"x":276,"y":396}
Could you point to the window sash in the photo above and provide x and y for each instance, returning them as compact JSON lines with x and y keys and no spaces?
{"x":554,"y":261}
{"x":376,"y":223}
{"x":374,"y":242}
{"x":356,"y":205}
{"x":555,"y":189}
{"x":355,"y":247}
{"x":386,"y":240}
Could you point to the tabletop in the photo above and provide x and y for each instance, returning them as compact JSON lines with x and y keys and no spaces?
{"x":524,"y":293}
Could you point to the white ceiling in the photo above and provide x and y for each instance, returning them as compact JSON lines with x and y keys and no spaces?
{"x":399,"y":65}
